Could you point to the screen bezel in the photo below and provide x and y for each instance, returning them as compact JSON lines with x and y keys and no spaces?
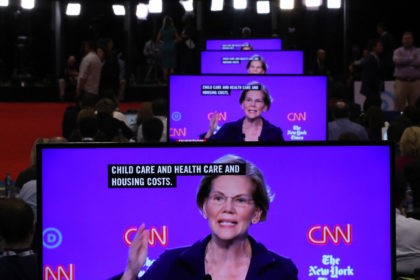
{"x":243,"y":39}
{"x":42,"y":147}
{"x":255,"y":52}
{"x":268,"y":75}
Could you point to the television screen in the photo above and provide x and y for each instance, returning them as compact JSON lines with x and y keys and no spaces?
{"x":298,"y":104}
{"x":244,"y":44}
{"x":330,"y":216}
{"x":239,"y":62}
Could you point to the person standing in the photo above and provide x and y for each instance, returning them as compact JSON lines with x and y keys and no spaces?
{"x":188,"y":47}
{"x":109,"y":81}
{"x":388,"y":43}
{"x":168,"y":36}
{"x":89,"y":73}
{"x":372,"y":81}
{"x":320,"y":66}
{"x":67,"y":84}
{"x":108,"y":85}
{"x":407,"y":72}
{"x":152,"y":54}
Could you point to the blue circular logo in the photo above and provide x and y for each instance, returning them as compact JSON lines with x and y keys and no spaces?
{"x":388,"y":101}
{"x":51,"y":238}
{"x":176,"y":116}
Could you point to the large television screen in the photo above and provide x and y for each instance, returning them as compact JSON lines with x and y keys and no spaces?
{"x":239,"y":62}
{"x":328,"y":215}
{"x":244,"y":44}
{"x":298,"y":104}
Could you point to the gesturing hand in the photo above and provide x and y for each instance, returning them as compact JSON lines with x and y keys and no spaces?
{"x":137,"y":254}
{"x":213,"y":125}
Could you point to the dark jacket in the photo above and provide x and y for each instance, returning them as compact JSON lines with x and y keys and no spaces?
{"x":372,"y":81}
{"x":232,"y":132}
{"x":187,"y":263}
{"x":19,"y":267}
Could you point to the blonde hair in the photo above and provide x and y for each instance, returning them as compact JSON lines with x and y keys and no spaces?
{"x":167,"y":22}
{"x":144,"y":112}
{"x":32,"y":157}
{"x":410,"y":142}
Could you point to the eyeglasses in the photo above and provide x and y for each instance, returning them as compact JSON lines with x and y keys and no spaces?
{"x":256,"y":101}
{"x":237,"y":201}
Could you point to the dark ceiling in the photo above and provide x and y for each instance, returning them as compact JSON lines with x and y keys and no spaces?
{"x":299,"y":29}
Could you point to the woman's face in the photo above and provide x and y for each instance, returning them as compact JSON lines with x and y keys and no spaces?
{"x":256,"y":67}
{"x":230,"y":208}
{"x":253,"y":104}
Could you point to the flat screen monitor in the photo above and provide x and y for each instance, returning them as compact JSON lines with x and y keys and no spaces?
{"x":244,"y":44}
{"x":298,"y":104}
{"x":239,"y":62}
{"x":328,"y":214}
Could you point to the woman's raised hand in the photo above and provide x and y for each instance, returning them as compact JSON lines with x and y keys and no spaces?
{"x":137,"y":254}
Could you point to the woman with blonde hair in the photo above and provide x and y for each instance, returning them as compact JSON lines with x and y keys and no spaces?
{"x":409,"y":148}
{"x":410,"y":142}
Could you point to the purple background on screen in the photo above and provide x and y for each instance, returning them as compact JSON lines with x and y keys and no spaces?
{"x":278,"y":62}
{"x":292,"y":97}
{"x":235,"y":44}
{"x":312,"y":186}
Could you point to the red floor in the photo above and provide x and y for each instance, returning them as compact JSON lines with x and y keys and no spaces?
{"x":22,"y":123}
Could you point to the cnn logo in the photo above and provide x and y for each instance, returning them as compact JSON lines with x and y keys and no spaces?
{"x":323,"y":235}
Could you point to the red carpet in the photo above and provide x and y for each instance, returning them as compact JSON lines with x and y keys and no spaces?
{"x":22,"y":123}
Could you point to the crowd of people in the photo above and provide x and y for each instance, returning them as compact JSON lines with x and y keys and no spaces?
{"x":101,"y":121}
{"x":384,"y":61}
{"x":164,"y":52}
